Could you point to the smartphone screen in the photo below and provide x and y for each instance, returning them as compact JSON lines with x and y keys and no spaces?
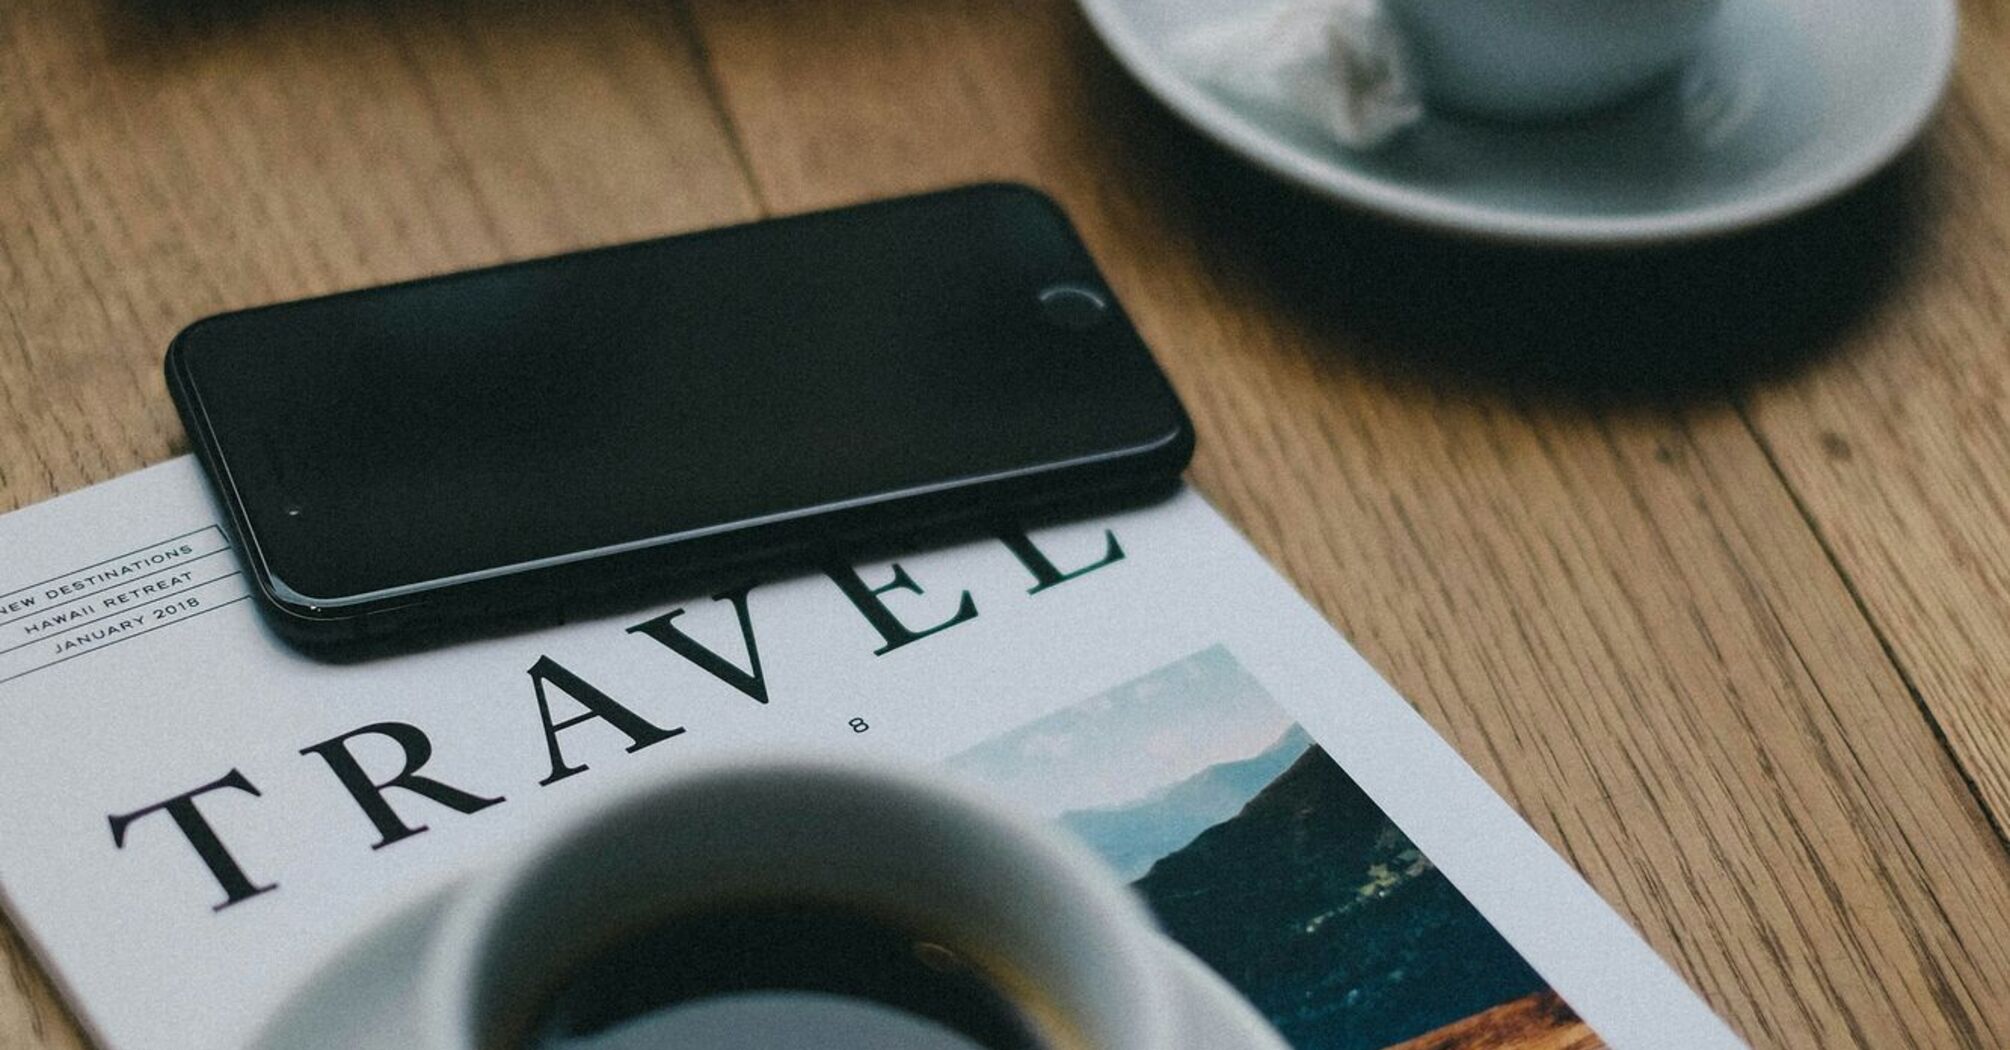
{"x":380,"y":442}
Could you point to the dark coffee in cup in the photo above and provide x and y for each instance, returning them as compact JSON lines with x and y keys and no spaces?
{"x":784,"y":974}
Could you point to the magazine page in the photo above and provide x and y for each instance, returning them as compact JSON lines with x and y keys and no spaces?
{"x":198,"y":816}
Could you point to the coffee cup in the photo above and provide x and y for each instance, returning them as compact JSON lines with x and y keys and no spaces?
{"x":762,"y":896}
{"x":1540,"y":60}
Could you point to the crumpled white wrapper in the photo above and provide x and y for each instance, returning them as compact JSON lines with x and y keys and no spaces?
{"x":1340,"y":63}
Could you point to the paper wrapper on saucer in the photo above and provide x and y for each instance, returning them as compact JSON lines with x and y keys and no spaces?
{"x":1338,"y":63}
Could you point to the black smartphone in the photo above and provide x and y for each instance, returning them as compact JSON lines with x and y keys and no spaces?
{"x":471,"y":444}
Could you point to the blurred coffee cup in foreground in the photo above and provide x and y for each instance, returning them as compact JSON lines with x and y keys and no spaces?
{"x":813,"y":903}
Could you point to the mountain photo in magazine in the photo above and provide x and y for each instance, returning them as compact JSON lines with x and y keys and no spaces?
{"x":1261,"y":856}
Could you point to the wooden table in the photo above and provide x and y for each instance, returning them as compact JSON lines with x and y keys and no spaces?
{"x":1701,"y":556}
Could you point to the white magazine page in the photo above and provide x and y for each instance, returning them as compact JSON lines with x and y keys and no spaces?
{"x":196,"y":816}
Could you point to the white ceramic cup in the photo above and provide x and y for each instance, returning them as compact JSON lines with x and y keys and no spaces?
{"x":1537,"y":60}
{"x":897,"y":843}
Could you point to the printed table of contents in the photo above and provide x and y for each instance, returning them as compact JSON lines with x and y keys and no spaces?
{"x":134,"y":593}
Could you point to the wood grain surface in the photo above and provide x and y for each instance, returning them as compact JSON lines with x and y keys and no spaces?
{"x":1900,"y":451}
{"x":1698,"y":554}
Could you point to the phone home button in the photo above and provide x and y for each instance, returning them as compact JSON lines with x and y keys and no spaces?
{"x":1073,"y":306}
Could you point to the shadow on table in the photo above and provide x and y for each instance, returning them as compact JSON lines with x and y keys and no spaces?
{"x":1653,"y":325}
{"x":1664,"y":324}
{"x":267,"y":34}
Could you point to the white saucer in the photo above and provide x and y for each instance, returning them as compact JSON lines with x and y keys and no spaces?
{"x":362,"y":999}
{"x":1788,"y":103}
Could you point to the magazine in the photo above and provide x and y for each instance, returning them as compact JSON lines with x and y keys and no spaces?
{"x":198,"y":816}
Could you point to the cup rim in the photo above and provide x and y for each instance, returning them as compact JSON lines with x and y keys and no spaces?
{"x":453,"y":964}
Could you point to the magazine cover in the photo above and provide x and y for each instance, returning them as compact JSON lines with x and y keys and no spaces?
{"x":201,"y":820}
